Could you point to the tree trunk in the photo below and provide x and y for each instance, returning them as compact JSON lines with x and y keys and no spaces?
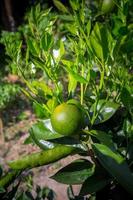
{"x":7,"y":15}
{"x":2,"y":138}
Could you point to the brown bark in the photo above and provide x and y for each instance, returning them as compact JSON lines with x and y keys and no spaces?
{"x":7,"y":15}
{"x":2,"y":138}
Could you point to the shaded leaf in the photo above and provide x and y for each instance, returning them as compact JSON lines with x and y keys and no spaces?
{"x":96,"y":182}
{"x":126,"y":97}
{"x":60,"y":6}
{"x":75,"y":173}
{"x":116,"y":165}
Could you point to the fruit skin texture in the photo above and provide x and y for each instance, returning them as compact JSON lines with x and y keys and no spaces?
{"x":107,"y":6}
{"x":66,"y":119}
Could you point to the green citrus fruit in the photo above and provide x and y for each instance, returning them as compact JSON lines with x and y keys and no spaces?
{"x":107,"y":6}
{"x":66,"y":119}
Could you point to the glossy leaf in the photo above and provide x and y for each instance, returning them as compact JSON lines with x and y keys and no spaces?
{"x":45,"y":137}
{"x":116,"y":165}
{"x":70,"y":141}
{"x":75,"y":173}
{"x":104,"y":110}
{"x":41,"y":132}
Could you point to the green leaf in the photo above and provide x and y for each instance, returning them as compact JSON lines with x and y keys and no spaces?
{"x":116,"y":165}
{"x":68,"y":18}
{"x":39,"y":110}
{"x":68,"y":63}
{"x":88,"y":27}
{"x":76,"y":76}
{"x":72,"y":84}
{"x":96,"y":182}
{"x":130,"y":152}
{"x":72,"y":28}
{"x":126,"y":97}
{"x":8,"y":178}
{"x":43,"y":130}
{"x":2,"y":190}
{"x":104,"y":110}
{"x":128,"y":128}
{"x":23,"y":196}
{"x":103,"y":137}
{"x":99,"y":42}
{"x":28,"y":140}
{"x":46,"y":41}
{"x":69,"y":141}
{"x":75,"y":173}
{"x":60,"y":6}
{"x":74,"y":4}
{"x":51,"y":104}
{"x":40,"y":64}
{"x":95,"y":42}
{"x":32,"y":45}
{"x":42,"y":87}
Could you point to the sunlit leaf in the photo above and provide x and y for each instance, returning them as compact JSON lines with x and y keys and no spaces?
{"x":47,"y":41}
{"x":104,"y":110}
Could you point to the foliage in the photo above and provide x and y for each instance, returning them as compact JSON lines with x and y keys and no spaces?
{"x":87,"y":59}
{"x":8,"y":93}
{"x":17,"y":193}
